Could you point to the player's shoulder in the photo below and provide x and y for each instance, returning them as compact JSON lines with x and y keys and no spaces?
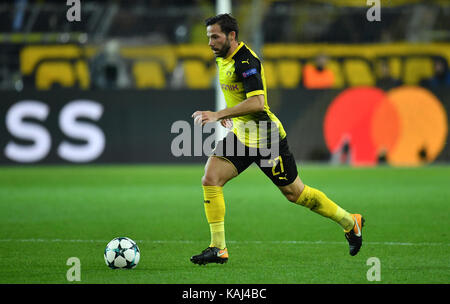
{"x":245,"y":58}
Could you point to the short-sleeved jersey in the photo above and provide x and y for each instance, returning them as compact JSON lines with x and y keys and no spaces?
{"x":241,"y":75}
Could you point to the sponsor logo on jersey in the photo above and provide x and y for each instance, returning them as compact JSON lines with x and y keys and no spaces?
{"x":249,"y":73}
{"x":229,"y":87}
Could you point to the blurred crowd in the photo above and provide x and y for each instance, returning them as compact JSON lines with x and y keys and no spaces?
{"x":109,"y":25}
{"x":110,"y":71}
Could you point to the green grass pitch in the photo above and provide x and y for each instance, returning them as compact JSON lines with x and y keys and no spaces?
{"x":51,"y":213}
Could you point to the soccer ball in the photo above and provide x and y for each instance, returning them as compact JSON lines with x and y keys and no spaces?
{"x":122,"y":252}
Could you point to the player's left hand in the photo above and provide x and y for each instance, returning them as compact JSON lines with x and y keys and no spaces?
{"x":227,"y":123}
{"x":206,"y":116}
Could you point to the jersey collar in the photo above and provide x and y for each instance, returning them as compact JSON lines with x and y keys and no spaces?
{"x":241,"y":44}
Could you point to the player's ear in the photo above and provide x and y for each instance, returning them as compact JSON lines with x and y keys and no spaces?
{"x":232,"y":35}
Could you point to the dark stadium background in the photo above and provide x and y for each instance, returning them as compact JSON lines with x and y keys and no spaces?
{"x":163,"y":69}
{"x":87,"y":110}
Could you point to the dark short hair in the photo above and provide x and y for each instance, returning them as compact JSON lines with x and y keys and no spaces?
{"x":227,"y":23}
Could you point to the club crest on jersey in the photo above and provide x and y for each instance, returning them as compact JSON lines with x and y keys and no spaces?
{"x":249,"y":72}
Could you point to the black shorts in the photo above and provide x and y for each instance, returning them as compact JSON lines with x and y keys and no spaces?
{"x":280,"y":168}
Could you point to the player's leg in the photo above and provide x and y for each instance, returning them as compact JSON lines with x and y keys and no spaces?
{"x":318,"y":202}
{"x":284,"y":174}
{"x":223,"y":166}
{"x":218,"y":171}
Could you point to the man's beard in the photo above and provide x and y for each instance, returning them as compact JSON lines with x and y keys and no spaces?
{"x":224,"y":51}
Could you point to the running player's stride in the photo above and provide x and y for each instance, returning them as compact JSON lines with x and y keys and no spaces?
{"x":243,"y":83}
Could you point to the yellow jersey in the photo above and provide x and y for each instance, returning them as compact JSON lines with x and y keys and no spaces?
{"x":241,"y":75}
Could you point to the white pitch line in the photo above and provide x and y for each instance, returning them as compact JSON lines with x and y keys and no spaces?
{"x":40,"y":240}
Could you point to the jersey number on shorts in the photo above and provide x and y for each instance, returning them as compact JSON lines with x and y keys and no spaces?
{"x":274,"y":163}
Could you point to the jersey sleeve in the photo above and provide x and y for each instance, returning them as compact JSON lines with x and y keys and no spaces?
{"x":248,"y":71}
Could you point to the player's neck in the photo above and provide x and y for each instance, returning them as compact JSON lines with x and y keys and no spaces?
{"x":233,"y":46}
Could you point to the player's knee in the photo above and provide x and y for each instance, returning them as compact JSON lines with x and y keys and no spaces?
{"x":291,"y":196}
{"x":293,"y":191}
{"x":210,"y":180}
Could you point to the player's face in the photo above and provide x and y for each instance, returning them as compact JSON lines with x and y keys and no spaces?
{"x":218,"y":40}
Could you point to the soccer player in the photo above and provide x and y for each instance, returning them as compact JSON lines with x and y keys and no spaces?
{"x":241,"y":76}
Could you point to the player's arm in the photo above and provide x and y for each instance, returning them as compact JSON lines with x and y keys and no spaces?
{"x":248,"y":71}
{"x":252,"y":104}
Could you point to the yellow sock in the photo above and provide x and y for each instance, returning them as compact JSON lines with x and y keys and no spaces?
{"x":215,"y":214}
{"x":217,"y":235}
{"x":318,"y":202}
